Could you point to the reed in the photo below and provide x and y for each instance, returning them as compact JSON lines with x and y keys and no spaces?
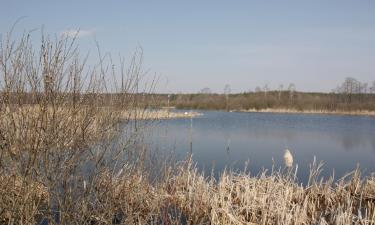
{"x":237,"y":198}
{"x":186,"y":196}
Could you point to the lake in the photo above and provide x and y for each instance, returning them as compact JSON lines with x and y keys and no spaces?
{"x":221,"y":140}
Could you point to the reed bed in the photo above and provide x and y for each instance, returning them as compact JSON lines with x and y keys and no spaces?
{"x":186,"y":196}
{"x":237,"y":198}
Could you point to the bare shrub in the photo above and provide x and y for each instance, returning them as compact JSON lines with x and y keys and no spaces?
{"x":58,"y":120}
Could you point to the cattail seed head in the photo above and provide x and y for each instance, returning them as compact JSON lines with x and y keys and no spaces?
{"x":288,"y":158}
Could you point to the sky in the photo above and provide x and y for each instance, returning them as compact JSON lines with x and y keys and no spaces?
{"x":190,"y":45}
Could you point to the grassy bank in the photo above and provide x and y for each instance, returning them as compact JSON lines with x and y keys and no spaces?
{"x":157,"y":114}
{"x":293,"y":111}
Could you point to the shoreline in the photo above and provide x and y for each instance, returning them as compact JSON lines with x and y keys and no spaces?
{"x":323,"y":112}
{"x":160,"y":115}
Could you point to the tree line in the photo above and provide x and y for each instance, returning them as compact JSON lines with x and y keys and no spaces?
{"x":350,"y":95}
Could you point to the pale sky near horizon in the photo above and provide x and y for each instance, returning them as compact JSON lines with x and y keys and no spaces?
{"x":195,"y":44}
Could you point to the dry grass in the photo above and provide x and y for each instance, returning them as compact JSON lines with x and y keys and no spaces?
{"x":20,"y":199}
{"x":271,"y":199}
{"x":187,"y":197}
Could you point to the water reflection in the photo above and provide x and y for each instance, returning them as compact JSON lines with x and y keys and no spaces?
{"x":231,"y":139}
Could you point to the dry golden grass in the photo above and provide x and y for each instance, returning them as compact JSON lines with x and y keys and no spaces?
{"x":271,"y":199}
{"x":16,"y":191}
{"x":185,"y":196}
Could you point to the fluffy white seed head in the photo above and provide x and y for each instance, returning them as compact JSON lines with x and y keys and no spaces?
{"x":288,"y":158}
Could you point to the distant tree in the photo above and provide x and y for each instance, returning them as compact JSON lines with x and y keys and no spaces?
{"x":265,"y":90}
{"x":372,"y":88}
{"x":280,"y":90}
{"x":291,"y":90}
{"x":258,"y":89}
{"x":349,"y":87}
{"x":205,"y":90}
{"x":337,"y":90}
{"x":364,"y":88}
{"x":227,"y":91}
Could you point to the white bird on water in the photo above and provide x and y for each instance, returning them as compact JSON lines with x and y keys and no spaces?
{"x":288,"y":158}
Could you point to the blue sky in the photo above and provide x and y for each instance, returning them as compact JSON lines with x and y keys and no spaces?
{"x":197,"y":44}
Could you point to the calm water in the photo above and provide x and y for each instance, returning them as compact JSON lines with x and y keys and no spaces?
{"x":230,"y":139}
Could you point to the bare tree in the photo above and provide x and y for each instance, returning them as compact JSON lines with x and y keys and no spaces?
{"x":265,"y":90}
{"x":56,"y":117}
{"x":291,"y":90}
{"x":350,"y":87}
{"x":372,"y":88}
{"x":205,"y":90}
{"x":364,"y":88}
{"x":227,"y":91}
{"x":280,"y":90}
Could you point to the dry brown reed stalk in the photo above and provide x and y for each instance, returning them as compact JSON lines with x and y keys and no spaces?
{"x":271,"y":199}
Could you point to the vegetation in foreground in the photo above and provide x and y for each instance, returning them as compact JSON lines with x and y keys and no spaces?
{"x":65,"y":159}
{"x":184,"y":196}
